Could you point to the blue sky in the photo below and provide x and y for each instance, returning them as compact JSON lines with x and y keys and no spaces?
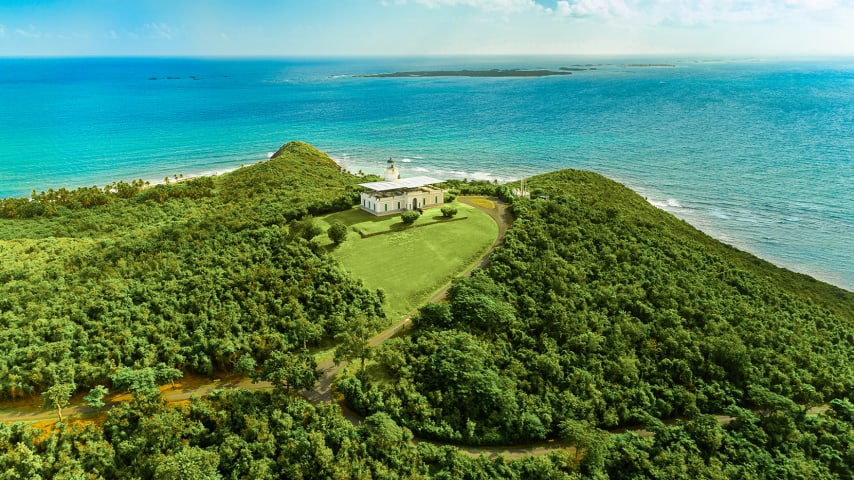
{"x":425,"y":27}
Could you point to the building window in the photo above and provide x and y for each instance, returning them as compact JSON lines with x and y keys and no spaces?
{"x":435,"y":199}
{"x":398,"y":205}
{"x":385,"y":207}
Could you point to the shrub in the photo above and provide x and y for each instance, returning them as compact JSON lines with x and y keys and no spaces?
{"x":450,"y":196}
{"x":504,"y":193}
{"x":306,"y":228}
{"x":448,"y":211}
{"x":409,"y":217}
{"x":337,"y":232}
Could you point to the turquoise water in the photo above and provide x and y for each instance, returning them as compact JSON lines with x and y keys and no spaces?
{"x":756,"y":153}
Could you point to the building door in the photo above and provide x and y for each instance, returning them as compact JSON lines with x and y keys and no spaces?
{"x":414,"y":203}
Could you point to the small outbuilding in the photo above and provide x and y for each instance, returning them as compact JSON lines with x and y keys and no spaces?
{"x":395,"y":195}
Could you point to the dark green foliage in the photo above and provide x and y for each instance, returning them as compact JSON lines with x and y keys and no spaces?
{"x":354,"y":340}
{"x":95,"y":397}
{"x":238,"y":434}
{"x":195,"y":189}
{"x":290,"y":372}
{"x":141,"y":383}
{"x":448,"y":211}
{"x":306,"y":228}
{"x":188,"y":463}
{"x":504,"y":193}
{"x":477,"y":187}
{"x":600,"y":308}
{"x":246,"y":365}
{"x":470,"y":187}
{"x":57,"y":396}
{"x":409,"y":217}
{"x":297,"y":181}
{"x":55,"y":202}
{"x":62,"y":201}
{"x":436,"y":315}
{"x":337,"y":232}
{"x":192,"y":283}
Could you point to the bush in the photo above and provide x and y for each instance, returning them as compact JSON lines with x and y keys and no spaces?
{"x":448,"y":211}
{"x":409,"y":217}
{"x":504,"y":193}
{"x":306,"y":228}
{"x":450,"y":196}
{"x":337,"y":232}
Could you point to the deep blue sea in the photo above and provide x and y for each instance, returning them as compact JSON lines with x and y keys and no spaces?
{"x":758,"y":153}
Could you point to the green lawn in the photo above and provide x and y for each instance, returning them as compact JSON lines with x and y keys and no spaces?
{"x":410,"y":264}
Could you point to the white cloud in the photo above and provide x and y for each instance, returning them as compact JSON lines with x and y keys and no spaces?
{"x":159,"y":30}
{"x":594,"y":8}
{"x":816,"y":4}
{"x":31,"y":32}
{"x":696,"y":12}
{"x":499,"y":6}
{"x":672,"y":12}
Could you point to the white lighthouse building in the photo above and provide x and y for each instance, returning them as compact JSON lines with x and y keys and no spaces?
{"x":395,"y":194}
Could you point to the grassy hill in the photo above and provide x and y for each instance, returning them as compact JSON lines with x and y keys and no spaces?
{"x":411,"y":264}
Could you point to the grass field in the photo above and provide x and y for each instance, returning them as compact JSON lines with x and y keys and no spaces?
{"x":410,"y":264}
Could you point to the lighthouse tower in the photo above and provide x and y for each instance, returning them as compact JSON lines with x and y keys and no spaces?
{"x":391,"y":174}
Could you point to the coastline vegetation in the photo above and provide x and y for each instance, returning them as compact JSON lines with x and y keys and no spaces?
{"x":598,"y":311}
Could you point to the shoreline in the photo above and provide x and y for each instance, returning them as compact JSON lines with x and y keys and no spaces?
{"x":652,"y":196}
{"x":103,"y":181}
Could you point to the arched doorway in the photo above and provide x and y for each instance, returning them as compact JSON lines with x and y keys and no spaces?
{"x":415,"y":204}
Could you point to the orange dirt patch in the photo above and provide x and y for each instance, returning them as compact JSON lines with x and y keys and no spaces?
{"x":483,"y":202}
{"x":46,"y":427}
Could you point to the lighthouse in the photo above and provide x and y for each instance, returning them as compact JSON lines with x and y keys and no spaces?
{"x":391,"y":174}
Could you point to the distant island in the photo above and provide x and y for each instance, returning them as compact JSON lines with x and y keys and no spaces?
{"x":495,"y":72}
{"x":502,"y":72}
{"x":652,"y":65}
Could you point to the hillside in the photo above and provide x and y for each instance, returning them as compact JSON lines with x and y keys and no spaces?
{"x":598,"y":311}
{"x":190,"y":275}
{"x":600,"y":308}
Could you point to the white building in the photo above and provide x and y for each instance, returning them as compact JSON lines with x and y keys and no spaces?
{"x":395,"y":195}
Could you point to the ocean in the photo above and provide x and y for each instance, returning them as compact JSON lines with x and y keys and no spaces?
{"x":758,"y":153}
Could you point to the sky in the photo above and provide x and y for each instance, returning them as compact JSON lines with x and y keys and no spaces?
{"x":425,"y":27}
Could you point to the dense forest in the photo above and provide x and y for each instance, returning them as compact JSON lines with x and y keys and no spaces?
{"x":274,"y":435}
{"x":164,"y":278}
{"x":602,"y":310}
{"x":598,"y":311}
